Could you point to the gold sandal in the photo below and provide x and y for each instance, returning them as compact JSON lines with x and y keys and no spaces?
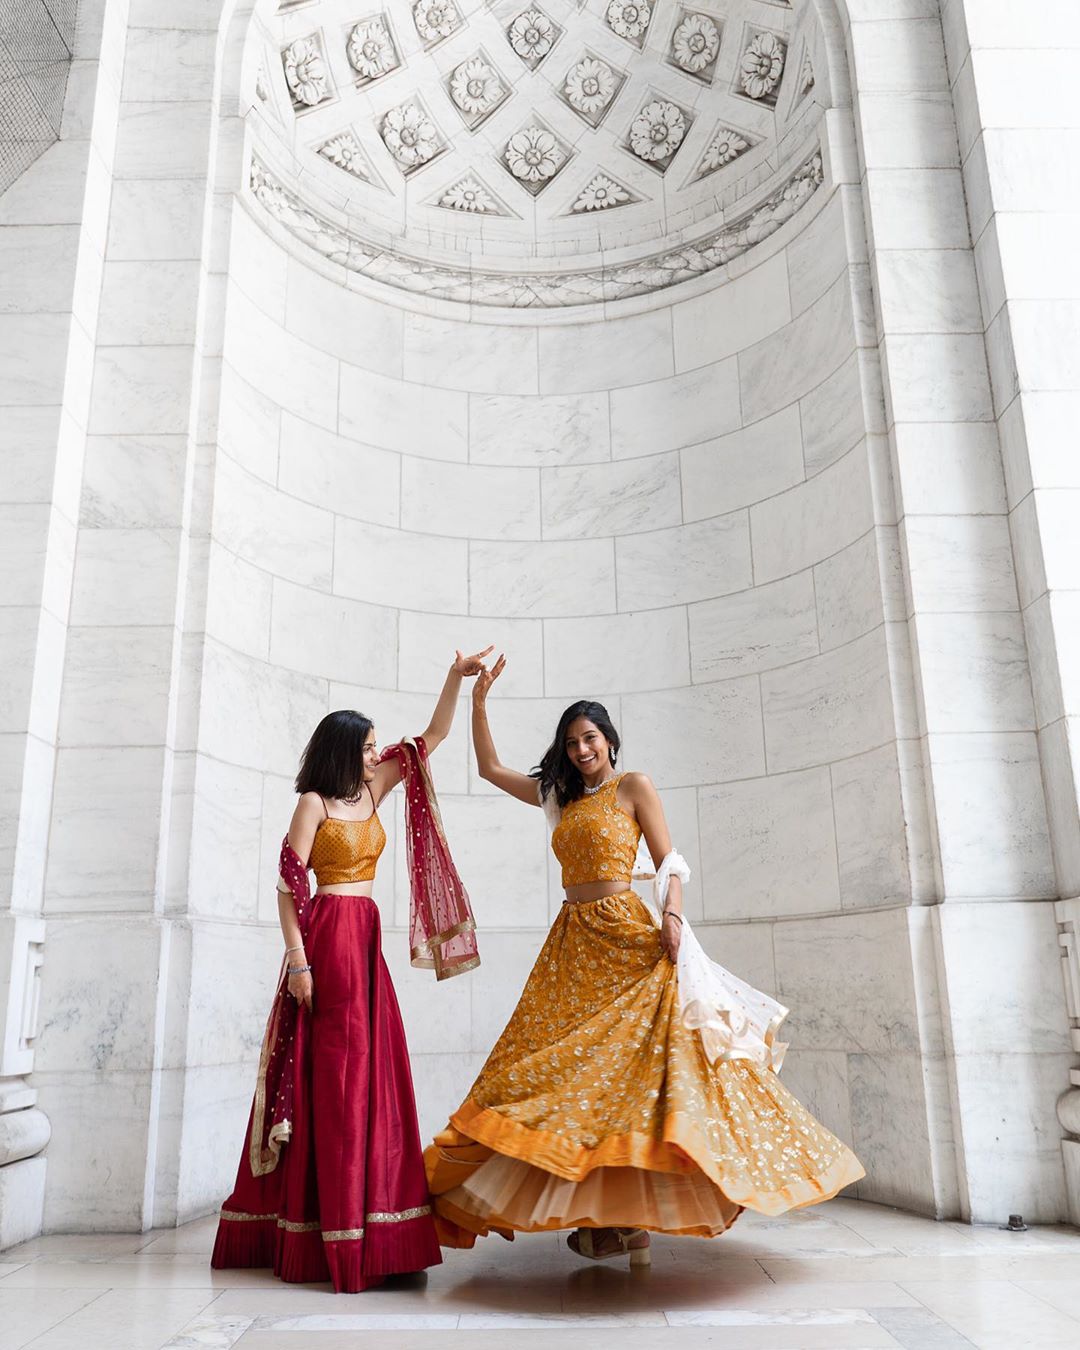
{"x":581,"y":1242}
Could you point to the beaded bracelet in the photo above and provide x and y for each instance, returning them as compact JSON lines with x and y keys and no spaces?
{"x":299,"y":970}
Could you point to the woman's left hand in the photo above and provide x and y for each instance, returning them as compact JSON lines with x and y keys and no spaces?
{"x":670,"y":937}
{"x":471,"y":665}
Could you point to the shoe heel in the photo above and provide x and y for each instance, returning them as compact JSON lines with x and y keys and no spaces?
{"x":640,"y":1256}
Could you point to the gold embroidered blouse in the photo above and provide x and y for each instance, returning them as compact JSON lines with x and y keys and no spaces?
{"x":595,"y":840}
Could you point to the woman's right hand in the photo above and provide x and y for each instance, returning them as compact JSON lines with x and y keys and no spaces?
{"x":301,"y":988}
{"x":486,"y":679}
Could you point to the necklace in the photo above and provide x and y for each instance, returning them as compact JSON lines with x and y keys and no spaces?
{"x":592,"y":791}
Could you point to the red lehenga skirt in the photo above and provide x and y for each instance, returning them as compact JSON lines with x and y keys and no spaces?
{"x":348,"y":1198}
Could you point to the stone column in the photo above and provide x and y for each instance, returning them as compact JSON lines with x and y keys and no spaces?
{"x":53,"y":223}
{"x":1024,"y":210}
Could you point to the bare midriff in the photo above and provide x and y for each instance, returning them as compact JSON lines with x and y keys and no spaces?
{"x":595,"y":890}
{"x":347,"y":888}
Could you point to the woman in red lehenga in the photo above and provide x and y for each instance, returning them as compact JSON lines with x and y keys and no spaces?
{"x":331,"y":1181}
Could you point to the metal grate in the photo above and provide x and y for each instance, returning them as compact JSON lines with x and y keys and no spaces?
{"x":36,"y":39}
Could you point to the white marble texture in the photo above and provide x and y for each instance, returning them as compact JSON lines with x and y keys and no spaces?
{"x":303,"y":490}
{"x":554,"y":429}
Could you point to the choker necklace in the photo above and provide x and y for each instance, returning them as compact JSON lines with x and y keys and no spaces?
{"x":593,"y":790}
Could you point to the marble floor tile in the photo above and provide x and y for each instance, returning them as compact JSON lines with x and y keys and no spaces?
{"x":125,"y":1319}
{"x":1061,"y":1294}
{"x":844,"y":1276}
{"x":932,"y":1266}
{"x":996,"y":1314}
{"x":638,"y":1338}
{"x":25,"y":1315}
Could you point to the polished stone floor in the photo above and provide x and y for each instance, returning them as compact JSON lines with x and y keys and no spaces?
{"x":844,"y":1276}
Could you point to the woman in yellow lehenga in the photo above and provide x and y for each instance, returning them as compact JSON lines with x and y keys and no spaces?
{"x":634,"y":1087}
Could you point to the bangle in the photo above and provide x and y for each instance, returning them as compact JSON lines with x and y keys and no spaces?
{"x":672,"y":914}
{"x":299,"y":970}
{"x":294,"y":949}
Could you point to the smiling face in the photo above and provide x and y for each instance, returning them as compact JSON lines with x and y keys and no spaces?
{"x":371,"y":755}
{"x":587,"y":748}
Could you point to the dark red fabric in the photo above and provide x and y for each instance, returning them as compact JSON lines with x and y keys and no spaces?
{"x":355,"y":1145}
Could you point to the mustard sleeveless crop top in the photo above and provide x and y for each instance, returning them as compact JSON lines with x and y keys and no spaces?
{"x":346,"y":850}
{"x":595,"y":840}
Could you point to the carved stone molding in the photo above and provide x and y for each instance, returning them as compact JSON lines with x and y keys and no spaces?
{"x":535,"y":289}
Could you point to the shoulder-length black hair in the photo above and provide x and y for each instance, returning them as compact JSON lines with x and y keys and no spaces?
{"x":333,"y":760}
{"x":555,"y":772}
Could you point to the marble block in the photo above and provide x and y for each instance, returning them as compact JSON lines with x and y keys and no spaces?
{"x":991,"y":815}
{"x":555,"y":429}
{"x":249,"y":425}
{"x":959,"y":564}
{"x":665,"y":414}
{"x":688,"y":737}
{"x":478,"y":357}
{"x":614,"y":354}
{"x":238,"y":602}
{"x":500,"y":845}
{"x":330,"y":636}
{"x":400,"y":568}
{"x":798,"y":357}
{"x":871,"y":843}
{"x":552,"y":579}
{"x":292,"y":372}
{"x":813,"y":520}
{"x":758,"y":629}
{"x":338,"y":474}
{"x":617,"y":653}
{"x":768,"y":846}
{"x":470,"y":501}
{"x":271,"y":530}
{"x":361,"y":331}
{"x":858,"y":993}
{"x":728,"y":318}
{"x":256,"y":714}
{"x":226,"y":871}
{"x":829,"y":706}
{"x":974,"y":672}
{"x":397,"y":415}
{"x":682,"y":564}
{"x":742,"y":468}
{"x":427,"y":643}
{"x":624,"y":497}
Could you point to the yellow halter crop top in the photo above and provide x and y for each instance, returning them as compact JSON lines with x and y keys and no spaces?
{"x":595,"y":840}
{"x":346,"y":850}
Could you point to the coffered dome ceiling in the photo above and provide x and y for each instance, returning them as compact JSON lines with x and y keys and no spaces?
{"x":569,"y":138}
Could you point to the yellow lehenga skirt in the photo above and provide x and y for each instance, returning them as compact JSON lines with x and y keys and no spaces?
{"x":598,"y":1107}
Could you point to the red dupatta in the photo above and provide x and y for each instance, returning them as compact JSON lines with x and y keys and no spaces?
{"x":442,"y":937}
{"x":442,"y":931}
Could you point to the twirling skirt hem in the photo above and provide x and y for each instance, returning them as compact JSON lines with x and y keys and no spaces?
{"x":682,"y":1150}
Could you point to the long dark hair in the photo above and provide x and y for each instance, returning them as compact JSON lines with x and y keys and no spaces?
{"x":333,"y":760}
{"x":555,"y":772}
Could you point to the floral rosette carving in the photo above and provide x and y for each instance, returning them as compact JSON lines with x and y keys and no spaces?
{"x":410,"y":135}
{"x":534,"y":156}
{"x":590,"y":86}
{"x":657,"y":131}
{"x":762,"y":65}
{"x":696,"y":43}
{"x":470,"y":195}
{"x":305,"y":72}
{"x":532,"y":35}
{"x":600,"y":194}
{"x":629,"y":18}
{"x":344,"y":151}
{"x":435,"y":19}
{"x":370,"y":51}
{"x":725,"y":146}
{"x":475,"y":86}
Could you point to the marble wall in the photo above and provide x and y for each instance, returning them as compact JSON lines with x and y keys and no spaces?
{"x":762,"y":515}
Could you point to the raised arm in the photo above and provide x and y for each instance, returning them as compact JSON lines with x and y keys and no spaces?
{"x":488,"y":765}
{"x":644,"y":800}
{"x":388,"y":773}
